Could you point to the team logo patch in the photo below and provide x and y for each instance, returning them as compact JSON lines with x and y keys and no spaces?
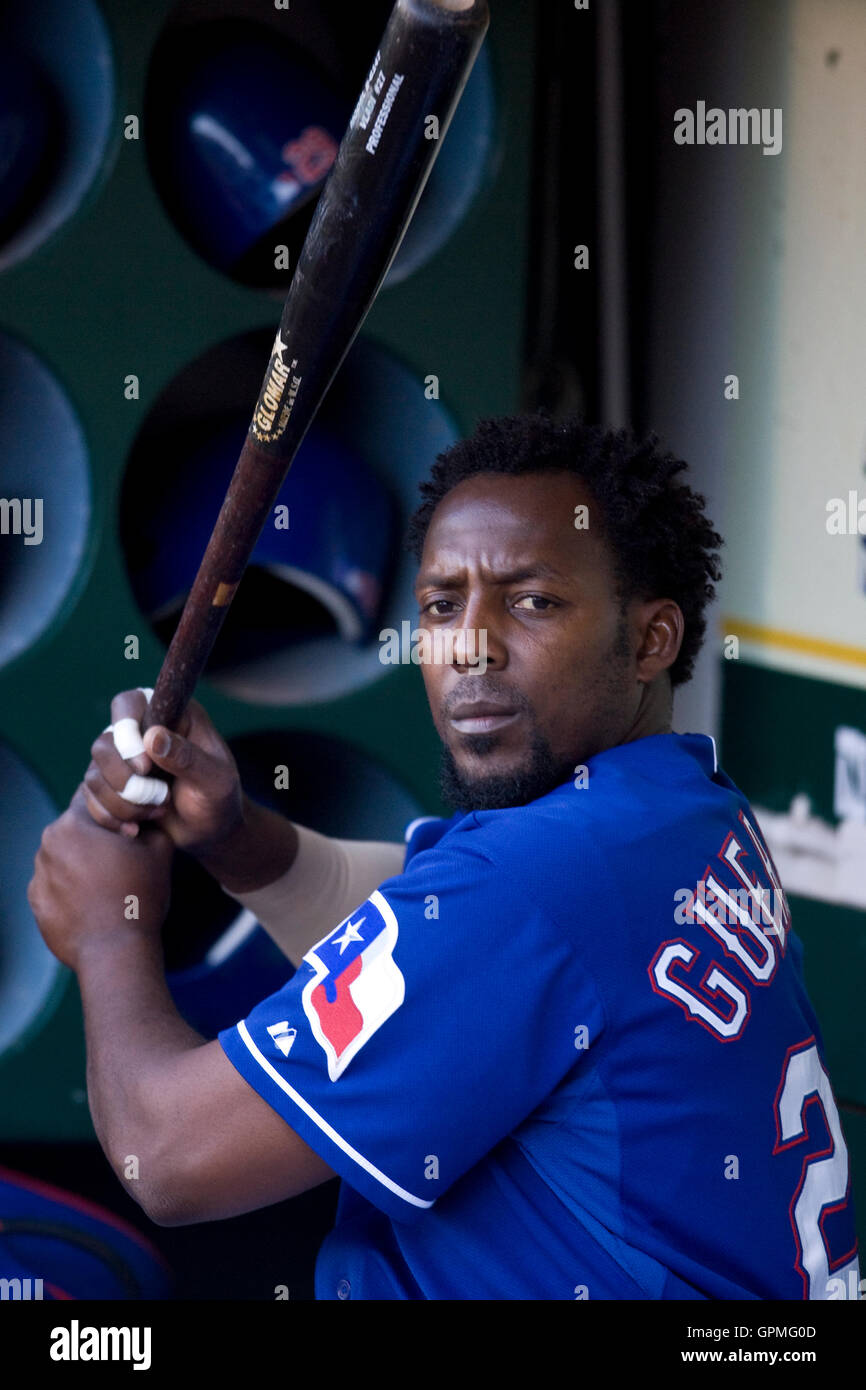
{"x":357,"y":985}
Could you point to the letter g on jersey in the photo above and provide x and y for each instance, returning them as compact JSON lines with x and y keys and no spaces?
{"x":356,"y":985}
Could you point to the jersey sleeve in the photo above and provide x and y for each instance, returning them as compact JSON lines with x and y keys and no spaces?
{"x":423,"y":1029}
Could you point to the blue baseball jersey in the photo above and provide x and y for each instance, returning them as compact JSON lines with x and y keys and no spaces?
{"x":567,"y":1053}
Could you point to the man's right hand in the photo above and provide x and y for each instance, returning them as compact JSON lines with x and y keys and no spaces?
{"x":204,"y":807}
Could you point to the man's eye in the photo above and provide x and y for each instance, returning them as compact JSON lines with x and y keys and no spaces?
{"x":436,"y":609}
{"x":534,"y":599}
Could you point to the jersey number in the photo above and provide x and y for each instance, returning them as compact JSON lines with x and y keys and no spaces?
{"x":824,"y":1184}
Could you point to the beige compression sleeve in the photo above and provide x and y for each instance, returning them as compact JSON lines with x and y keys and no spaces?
{"x":328,"y":879}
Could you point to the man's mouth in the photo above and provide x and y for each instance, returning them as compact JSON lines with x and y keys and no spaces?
{"x":482,"y":717}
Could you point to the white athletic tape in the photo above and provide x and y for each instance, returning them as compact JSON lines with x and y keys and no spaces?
{"x":139,"y":791}
{"x":127,"y":738}
{"x":145,"y":791}
{"x":127,"y":731}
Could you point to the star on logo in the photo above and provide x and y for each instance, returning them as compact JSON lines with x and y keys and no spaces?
{"x":279,"y":346}
{"x":349,"y":935}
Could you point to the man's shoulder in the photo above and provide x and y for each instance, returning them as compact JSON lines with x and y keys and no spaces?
{"x":618,"y":800}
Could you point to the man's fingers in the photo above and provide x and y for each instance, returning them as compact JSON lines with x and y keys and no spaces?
{"x":145,"y":791}
{"x":98,"y":790}
{"x":130,"y":704}
{"x":147,"y":794}
{"x":200,"y":730}
{"x":121,"y":777}
{"x":127,"y":712}
{"x":178,"y":756}
{"x":99,"y":813}
{"x":112,"y":766}
{"x":127,"y":737}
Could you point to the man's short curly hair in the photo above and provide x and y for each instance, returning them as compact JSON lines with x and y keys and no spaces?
{"x":663,"y":544}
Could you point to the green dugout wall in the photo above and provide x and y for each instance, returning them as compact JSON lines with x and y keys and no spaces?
{"x":100,"y":286}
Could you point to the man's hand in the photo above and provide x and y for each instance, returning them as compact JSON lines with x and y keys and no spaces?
{"x":155,"y":1088}
{"x":204,"y":806}
{"x":91,"y":888}
{"x":206,"y":813}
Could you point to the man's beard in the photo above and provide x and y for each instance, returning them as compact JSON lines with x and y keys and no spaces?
{"x":497,"y":790}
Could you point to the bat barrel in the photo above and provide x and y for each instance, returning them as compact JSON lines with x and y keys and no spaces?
{"x":385,"y":158}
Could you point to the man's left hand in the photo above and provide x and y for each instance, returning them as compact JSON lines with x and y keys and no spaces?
{"x":91,"y":885}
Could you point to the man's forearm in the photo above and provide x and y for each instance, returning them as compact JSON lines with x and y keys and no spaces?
{"x":328,"y":879}
{"x":331,"y":878}
{"x":133,"y":1033}
{"x":260,"y":850}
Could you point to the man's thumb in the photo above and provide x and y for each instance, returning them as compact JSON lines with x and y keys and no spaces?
{"x":171,"y":752}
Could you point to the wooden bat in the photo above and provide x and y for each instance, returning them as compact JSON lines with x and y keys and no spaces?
{"x":394,"y":135}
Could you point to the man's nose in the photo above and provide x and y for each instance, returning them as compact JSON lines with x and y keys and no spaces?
{"x":478,"y":634}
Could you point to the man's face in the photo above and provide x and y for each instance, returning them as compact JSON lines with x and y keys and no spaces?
{"x":503,"y":555}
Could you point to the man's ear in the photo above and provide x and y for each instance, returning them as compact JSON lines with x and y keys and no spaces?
{"x":661,"y":625}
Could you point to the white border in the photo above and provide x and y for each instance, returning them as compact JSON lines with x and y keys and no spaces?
{"x":715,"y":753}
{"x":326,"y":1128}
{"x":413,"y":826}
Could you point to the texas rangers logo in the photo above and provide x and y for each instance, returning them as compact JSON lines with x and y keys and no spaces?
{"x":357,"y":984}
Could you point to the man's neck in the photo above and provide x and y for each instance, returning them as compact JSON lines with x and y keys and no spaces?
{"x":654,"y":711}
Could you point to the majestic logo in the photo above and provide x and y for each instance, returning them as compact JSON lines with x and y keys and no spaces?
{"x":356,"y":985}
{"x":283,"y":1036}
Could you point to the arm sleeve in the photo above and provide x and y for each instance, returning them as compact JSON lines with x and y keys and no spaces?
{"x":422,"y":1030}
{"x":328,"y":878}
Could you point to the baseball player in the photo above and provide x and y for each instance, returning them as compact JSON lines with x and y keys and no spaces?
{"x":557,"y":1046}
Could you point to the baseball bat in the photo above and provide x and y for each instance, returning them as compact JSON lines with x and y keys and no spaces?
{"x":385,"y":158}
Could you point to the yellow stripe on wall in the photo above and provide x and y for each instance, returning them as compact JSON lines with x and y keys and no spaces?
{"x":793,"y":641}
